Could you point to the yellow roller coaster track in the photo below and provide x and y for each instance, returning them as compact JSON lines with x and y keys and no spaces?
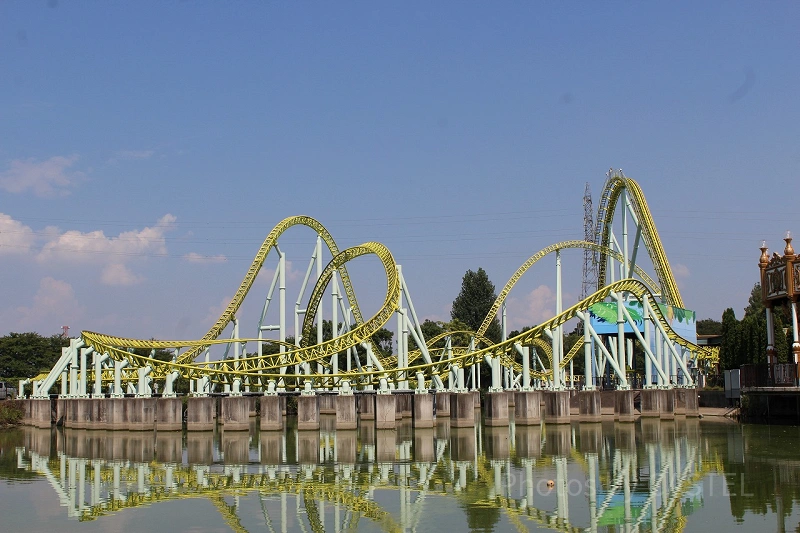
{"x":586,"y":245}
{"x":253,"y":367}
{"x":225,"y":318}
{"x":267,"y":366}
{"x":605,"y":217}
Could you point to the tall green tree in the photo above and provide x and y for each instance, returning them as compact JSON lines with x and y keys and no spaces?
{"x":730,"y":349}
{"x":24,"y":355}
{"x":474,"y":302}
{"x":755,"y":305}
{"x":709,"y":326}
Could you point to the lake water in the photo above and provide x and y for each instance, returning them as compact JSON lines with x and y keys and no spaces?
{"x":651,"y":475}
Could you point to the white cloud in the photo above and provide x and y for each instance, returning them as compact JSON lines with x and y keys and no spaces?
{"x":44,"y":178}
{"x":130,"y":155}
{"x":15,"y":237}
{"x":532,"y":309}
{"x":94,"y":246}
{"x":54,"y":305}
{"x":194,"y":257}
{"x":119,"y":274}
{"x":679,"y":270}
{"x":135,"y":154}
{"x":215,"y":311}
{"x":265,"y":275}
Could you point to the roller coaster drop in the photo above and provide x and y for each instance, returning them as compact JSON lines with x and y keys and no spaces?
{"x":515,"y":362}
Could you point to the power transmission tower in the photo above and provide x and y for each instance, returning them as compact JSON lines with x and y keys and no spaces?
{"x":589,"y":284}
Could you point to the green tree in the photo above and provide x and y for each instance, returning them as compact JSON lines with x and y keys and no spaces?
{"x":782,"y":347}
{"x":24,"y":355}
{"x":755,"y":305}
{"x":709,"y":326}
{"x":475,"y":301}
{"x":729,"y":350}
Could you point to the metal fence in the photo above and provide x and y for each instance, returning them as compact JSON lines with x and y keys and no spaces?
{"x":777,"y":375}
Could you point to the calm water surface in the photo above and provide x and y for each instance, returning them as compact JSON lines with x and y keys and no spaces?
{"x":682,"y":475}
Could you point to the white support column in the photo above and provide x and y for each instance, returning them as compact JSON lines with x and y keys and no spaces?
{"x":282,"y":304}
{"x":319,"y":274}
{"x":237,"y":381}
{"x":558,"y":336}
{"x":621,"y":333}
{"x":73,"y":371}
{"x":118,"y":391}
{"x":588,"y":382}
{"x":623,"y":268}
{"x":526,"y":370}
{"x":82,"y":384}
{"x":648,"y":365}
{"x":334,"y":322}
{"x":98,"y":359}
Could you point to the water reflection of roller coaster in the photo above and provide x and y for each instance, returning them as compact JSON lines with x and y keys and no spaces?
{"x":536,"y":358}
{"x":640,"y":477}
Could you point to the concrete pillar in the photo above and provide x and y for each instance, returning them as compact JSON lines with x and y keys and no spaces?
{"x":528,"y":440}
{"x":476,"y":395}
{"x":589,"y":406}
{"x":169,"y":414}
{"x":308,"y":443}
{"x":462,"y":410}
{"x":385,"y":445}
{"x":252,"y":406}
{"x":308,"y":412}
{"x":235,"y":413}
{"x":346,"y":445}
{"x":236,"y":444}
{"x":680,"y":402}
{"x":559,"y":440}
{"x":271,"y":414}
{"x":651,"y":428}
{"x":200,"y":413}
{"x":423,"y":411}
{"x":366,"y":406}
{"x":345,"y":405}
{"x":625,"y":437}
{"x":668,"y":404}
{"x":556,"y":407}
{"x":327,"y":404}
{"x":424,"y":451}
{"x":651,"y":402}
{"x":462,"y":441}
{"x":366,"y":433}
{"x":691,"y":402}
{"x":623,"y":406}
{"x":442,"y":403}
{"x":528,"y":408}
{"x":590,"y":438}
{"x":116,"y":417}
{"x":169,"y":447}
{"x":497,"y":408}
{"x":442,"y":428}
{"x":405,"y":404}
{"x":41,"y":413}
{"x":141,"y":413}
{"x":498,"y":444}
{"x":385,"y":411}
{"x":271,"y":443}
{"x":200,"y":446}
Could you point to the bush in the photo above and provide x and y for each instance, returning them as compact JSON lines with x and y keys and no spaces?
{"x":10,"y":413}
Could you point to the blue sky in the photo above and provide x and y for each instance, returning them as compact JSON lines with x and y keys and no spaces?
{"x":149,"y":147}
